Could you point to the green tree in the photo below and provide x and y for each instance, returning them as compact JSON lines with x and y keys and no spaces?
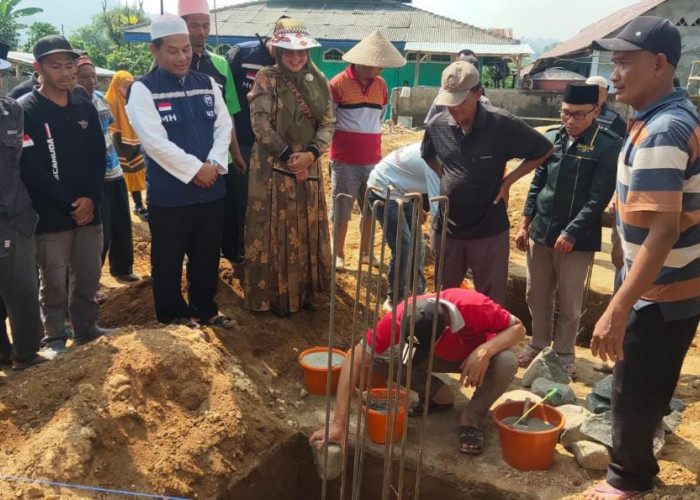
{"x":102,"y":39}
{"x":9,"y":24}
{"x":132,"y":57}
{"x":39,"y":30}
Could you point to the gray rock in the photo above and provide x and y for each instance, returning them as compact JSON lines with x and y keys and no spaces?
{"x":574,"y":416}
{"x":564,"y":396}
{"x":335,"y":460}
{"x":671,"y":422}
{"x":603,"y":387}
{"x":590,"y":455}
{"x":677,"y":404}
{"x":597,"y":404}
{"x":517,"y":395}
{"x":546,"y":365}
{"x":599,"y":428}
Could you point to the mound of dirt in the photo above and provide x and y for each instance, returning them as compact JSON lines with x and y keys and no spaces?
{"x":150,"y":410}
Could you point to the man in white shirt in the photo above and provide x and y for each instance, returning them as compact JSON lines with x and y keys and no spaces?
{"x":185,"y":130}
{"x":406,"y":172}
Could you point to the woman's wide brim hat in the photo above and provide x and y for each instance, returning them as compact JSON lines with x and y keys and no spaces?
{"x":377,"y":51}
{"x":292,"y":34}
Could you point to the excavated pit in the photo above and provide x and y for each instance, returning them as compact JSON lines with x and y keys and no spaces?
{"x":287,"y":472}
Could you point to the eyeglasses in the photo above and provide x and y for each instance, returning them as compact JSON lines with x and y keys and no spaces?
{"x":579,"y":115}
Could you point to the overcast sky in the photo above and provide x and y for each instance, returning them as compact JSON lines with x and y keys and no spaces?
{"x":558,"y":19}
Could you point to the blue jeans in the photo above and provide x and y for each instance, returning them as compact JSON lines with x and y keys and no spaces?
{"x":390,"y":233}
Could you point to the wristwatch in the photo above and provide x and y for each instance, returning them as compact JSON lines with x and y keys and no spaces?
{"x":215,"y":163}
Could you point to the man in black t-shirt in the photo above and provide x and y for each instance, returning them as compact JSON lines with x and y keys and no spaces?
{"x":468,"y":146}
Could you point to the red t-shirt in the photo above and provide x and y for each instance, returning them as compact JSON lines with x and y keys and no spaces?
{"x":483,"y":319}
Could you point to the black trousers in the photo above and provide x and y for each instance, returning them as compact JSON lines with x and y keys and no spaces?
{"x":235,"y":205}
{"x":5,"y":346}
{"x":116,"y":225}
{"x":643,"y":384}
{"x":195,"y":231}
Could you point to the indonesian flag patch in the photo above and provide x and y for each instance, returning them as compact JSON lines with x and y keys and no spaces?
{"x":164,"y":106}
{"x":27,"y":141}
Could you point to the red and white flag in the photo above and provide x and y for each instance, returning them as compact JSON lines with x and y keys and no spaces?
{"x":27,"y":141}
{"x":164,"y":106}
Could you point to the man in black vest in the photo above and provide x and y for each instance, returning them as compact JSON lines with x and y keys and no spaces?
{"x":19,"y":292}
{"x":245,"y":59}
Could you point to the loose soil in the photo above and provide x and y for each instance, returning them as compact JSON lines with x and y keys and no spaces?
{"x":190,"y":413}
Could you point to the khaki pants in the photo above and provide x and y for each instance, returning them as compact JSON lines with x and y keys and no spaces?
{"x":499,"y":375}
{"x":562,"y":276}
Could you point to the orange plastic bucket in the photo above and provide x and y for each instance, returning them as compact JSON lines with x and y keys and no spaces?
{"x":528,"y":450}
{"x":376,"y":420}
{"x":315,"y":373}
{"x":377,"y":380}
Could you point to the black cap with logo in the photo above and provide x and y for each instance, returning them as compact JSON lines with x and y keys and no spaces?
{"x":53,"y":44}
{"x":425,"y":312}
{"x":651,"y":33}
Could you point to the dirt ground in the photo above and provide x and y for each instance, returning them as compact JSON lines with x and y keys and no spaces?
{"x":188,"y":413}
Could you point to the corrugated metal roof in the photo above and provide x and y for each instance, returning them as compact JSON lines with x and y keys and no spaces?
{"x":479,"y":49}
{"x":601,"y":29}
{"x":348,"y":21}
{"x":26,"y":59}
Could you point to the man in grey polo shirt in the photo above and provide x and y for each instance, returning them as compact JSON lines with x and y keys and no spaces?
{"x":468,"y":146}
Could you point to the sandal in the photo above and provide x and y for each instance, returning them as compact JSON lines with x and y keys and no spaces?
{"x":606,"y":489}
{"x":526,"y":357}
{"x":220,"y":321}
{"x":416,"y":409}
{"x":572,"y":372}
{"x":471,"y":440}
{"x":36,"y":360}
{"x":188,"y":322}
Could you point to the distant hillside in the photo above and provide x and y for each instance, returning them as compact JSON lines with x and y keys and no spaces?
{"x":539,"y":45}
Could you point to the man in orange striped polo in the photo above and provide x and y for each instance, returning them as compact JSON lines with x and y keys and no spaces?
{"x":360,"y":96}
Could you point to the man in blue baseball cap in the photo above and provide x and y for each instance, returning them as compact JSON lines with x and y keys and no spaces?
{"x":652,"y":319}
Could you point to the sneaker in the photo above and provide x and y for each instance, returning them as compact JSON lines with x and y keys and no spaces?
{"x":340,"y":263}
{"x":375,"y":261}
{"x":54,"y":349}
{"x":142,"y":213}
{"x":388,"y":306}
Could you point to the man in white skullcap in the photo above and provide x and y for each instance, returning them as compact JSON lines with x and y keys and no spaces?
{"x":185,"y":129}
{"x":360,"y":96}
{"x":608,"y":119}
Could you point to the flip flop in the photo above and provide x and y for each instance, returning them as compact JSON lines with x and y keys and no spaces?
{"x":471,"y":440}
{"x":220,"y":321}
{"x":416,"y":409}
{"x":606,"y":489}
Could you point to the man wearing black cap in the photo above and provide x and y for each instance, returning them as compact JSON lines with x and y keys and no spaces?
{"x":473,"y":338}
{"x":63,"y":162}
{"x":561,"y":228}
{"x":652,"y":319}
{"x":18,"y":286}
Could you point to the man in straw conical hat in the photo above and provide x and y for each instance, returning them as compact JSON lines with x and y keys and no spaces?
{"x":360,"y":96}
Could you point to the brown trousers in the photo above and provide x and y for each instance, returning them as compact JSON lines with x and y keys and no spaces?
{"x":499,"y":375}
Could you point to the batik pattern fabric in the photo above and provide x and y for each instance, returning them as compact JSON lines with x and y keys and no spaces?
{"x":287,"y":240}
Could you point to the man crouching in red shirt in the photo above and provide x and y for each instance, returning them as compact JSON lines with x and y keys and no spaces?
{"x":474,"y":337}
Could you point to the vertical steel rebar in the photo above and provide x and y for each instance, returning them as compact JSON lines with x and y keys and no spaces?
{"x":331,"y":331}
{"x":390,"y":422}
{"x":415,"y":256}
{"x":356,"y":305}
{"x":377,"y":301}
{"x":439,"y":266}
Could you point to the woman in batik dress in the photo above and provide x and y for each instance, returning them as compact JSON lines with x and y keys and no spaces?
{"x":287,"y":239}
